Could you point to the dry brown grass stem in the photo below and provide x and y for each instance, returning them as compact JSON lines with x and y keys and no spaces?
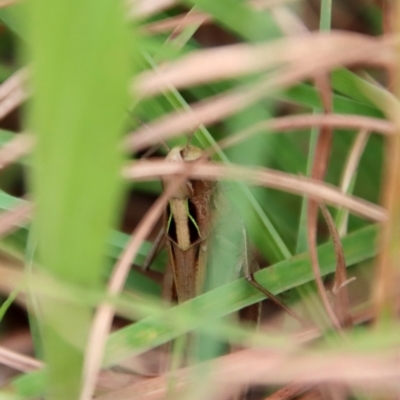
{"x":12,"y":92}
{"x":7,"y":3}
{"x":341,"y":303}
{"x":11,"y":279}
{"x":16,"y":148}
{"x":15,"y":82}
{"x":292,"y":25}
{"x":22,"y":144}
{"x":155,"y":388}
{"x":388,"y":267}
{"x":350,"y":170}
{"x":177,"y":37}
{"x":289,"y":391}
{"x":288,"y":22}
{"x":18,"y":361}
{"x":327,"y":50}
{"x":269,"y":367}
{"x":297,"y":122}
{"x":221,"y":106}
{"x":389,"y":28}
{"x":178,"y":23}
{"x":13,"y":219}
{"x":144,"y":8}
{"x":144,"y":170}
{"x":354,"y":158}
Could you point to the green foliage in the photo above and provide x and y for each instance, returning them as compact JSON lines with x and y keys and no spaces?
{"x":80,"y":72}
{"x":82,"y":56}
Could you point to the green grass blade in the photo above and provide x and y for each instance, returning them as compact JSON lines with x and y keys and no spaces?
{"x":229,"y":298}
{"x":240,"y":18}
{"x":165,"y":325}
{"x":79,"y":58}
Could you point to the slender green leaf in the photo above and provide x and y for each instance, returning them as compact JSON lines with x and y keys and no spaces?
{"x":229,"y":298}
{"x":165,"y":325}
{"x":79,"y":53}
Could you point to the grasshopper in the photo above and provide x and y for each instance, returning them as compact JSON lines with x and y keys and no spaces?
{"x":190,"y":233}
{"x":189,"y":224}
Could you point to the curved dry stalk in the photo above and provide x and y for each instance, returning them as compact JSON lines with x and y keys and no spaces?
{"x":23,"y":143}
{"x":178,"y":37}
{"x":12,"y":92}
{"x":354,"y":158}
{"x":350,"y":169}
{"x":269,"y":4}
{"x":19,"y":362}
{"x":179,"y":122}
{"x":178,"y":23}
{"x":327,"y":50}
{"x":341,"y":303}
{"x":7,"y":3}
{"x":16,"y":148}
{"x":319,"y":166}
{"x":14,"y":218}
{"x":388,"y":270}
{"x":145,"y":8}
{"x":289,"y":391}
{"x":389,"y":25}
{"x":11,"y":102}
{"x":288,"y":22}
{"x":15,"y":82}
{"x":270,"y":367}
{"x":294,"y":26}
{"x":210,"y":110}
{"x":12,"y":280}
{"x":294,"y":122}
{"x":143,"y":170}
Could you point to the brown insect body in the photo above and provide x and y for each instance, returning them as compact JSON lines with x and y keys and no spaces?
{"x":191,"y":235}
{"x":207,"y":247}
{"x":187,"y":224}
